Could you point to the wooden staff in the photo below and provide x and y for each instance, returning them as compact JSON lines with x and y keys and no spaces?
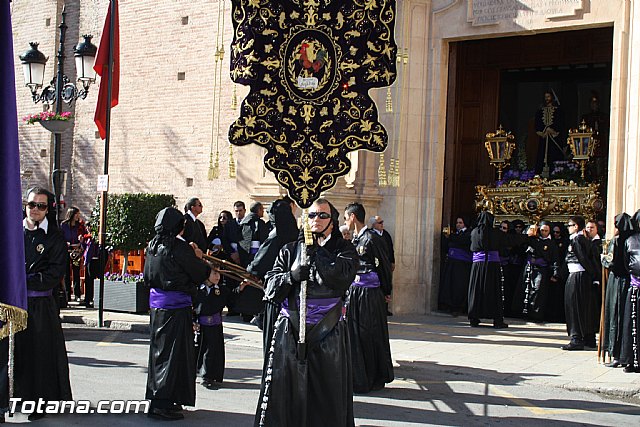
{"x":233,"y":271}
{"x":605,"y":271}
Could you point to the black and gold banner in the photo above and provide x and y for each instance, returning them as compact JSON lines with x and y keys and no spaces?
{"x":310,"y":65}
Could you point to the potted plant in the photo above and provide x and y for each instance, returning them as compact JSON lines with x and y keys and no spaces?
{"x":129,"y":227}
{"x":53,"y":122}
{"x":124,"y":292}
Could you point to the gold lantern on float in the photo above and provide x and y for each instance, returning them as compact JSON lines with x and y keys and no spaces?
{"x":582,"y":145}
{"x":499,"y":145}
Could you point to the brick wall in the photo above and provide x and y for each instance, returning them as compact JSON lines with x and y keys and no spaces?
{"x":161,"y":131}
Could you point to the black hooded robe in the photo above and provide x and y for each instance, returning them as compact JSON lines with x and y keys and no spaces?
{"x":322,"y":395}
{"x":617,"y":287}
{"x":630,"y":347}
{"x":486,"y":298}
{"x":172,"y":268}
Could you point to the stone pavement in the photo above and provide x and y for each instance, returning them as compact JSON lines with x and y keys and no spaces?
{"x":525,"y":352}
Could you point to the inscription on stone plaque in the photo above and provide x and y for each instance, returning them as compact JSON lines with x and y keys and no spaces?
{"x":489,"y":12}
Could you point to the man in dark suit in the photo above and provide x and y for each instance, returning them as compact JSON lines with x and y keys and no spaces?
{"x":194,"y":230}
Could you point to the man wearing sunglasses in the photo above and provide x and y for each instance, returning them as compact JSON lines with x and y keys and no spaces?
{"x":41,"y":364}
{"x":366,"y":310}
{"x":310,"y":384}
{"x":580,"y":296}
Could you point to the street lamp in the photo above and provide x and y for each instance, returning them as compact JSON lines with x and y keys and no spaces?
{"x":61,"y":88}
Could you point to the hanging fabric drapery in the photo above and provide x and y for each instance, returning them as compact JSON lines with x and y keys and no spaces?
{"x":310,"y":66}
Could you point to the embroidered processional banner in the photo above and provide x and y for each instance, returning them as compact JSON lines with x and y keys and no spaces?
{"x":310,"y":65}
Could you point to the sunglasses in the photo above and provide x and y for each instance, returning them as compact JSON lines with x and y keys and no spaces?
{"x":504,"y":228}
{"x":380,"y":222}
{"x":40,"y":206}
{"x":321,"y":215}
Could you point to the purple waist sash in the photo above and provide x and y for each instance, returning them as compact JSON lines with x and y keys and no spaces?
{"x":635,"y":281}
{"x":32,"y":294}
{"x":459,"y":254}
{"x":170,"y":300}
{"x":490,"y":256}
{"x":213,"y":320}
{"x":540,"y":262}
{"x":367,"y":280}
{"x":317,"y":308}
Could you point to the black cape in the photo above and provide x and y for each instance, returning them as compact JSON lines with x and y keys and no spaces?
{"x":581,"y":294}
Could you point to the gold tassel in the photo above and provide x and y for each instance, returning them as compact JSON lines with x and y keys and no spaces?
{"x":232,"y":163}
{"x":234,"y":99}
{"x":382,"y":172}
{"x":14,"y":319}
{"x":396,"y":174}
{"x":214,"y":167}
{"x":389,"y":102}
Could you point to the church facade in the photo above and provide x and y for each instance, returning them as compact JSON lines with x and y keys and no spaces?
{"x":463,"y":67}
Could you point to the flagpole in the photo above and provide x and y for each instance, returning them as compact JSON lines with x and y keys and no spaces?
{"x":103,"y":198}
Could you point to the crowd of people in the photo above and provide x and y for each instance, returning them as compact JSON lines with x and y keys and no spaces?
{"x":322,"y":303}
{"x":343,"y":275}
{"x":549,"y":272}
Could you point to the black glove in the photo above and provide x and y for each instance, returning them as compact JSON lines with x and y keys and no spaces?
{"x":300,"y":273}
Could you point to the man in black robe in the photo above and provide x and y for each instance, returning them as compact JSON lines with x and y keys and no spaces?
{"x":307,"y":385}
{"x":173,"y":271}
{"x":630,"y":351}
{"x":366,"y":310}
{"x":541,"y":269}
{"x":194,"y":230}
{"x":41,"y":364}
{"x":486,"y":293}
{"x":580,"y":297}
{"x":617,"y":287}
{"x":454,"y":286}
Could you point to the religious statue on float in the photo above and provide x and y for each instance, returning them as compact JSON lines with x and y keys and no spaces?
{"x":548,"y":121}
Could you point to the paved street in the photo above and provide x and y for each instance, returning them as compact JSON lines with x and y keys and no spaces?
{"x":446,"y":374}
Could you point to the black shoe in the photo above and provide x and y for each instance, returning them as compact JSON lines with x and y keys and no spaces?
{"x":629,"y":369}
{"x":389,"y":314}
{"x":210,"y":385}
{"x":232,"y":313}
{"x":474,"y":322}
{"x":246,"y":318}
{"x":614,"y":364}
{"x":175,"y":408}
{"x":36,"y":416}
{"x":500,"y":325}
{"x":572,"y":347}
{"x":165,"y":414}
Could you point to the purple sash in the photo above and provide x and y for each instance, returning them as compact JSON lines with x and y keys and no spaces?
{"x":367,"y":280}
{"x":169,"y":300}
{"x":490,"y":256}
{"x":540,"y":262}
{"x":635,"y":281}
{"x":459,"y":254}
{"x":35,"y":294}
{"x":213,"y":320}
{"x":317,"y":308}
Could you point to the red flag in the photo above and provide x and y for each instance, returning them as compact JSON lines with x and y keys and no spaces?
{"x":101,"y":67}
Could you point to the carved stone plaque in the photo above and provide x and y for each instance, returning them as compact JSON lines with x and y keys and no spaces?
{"x":522,"y":12}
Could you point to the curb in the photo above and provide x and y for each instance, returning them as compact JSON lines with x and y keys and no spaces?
{"x":118,"y":325}
{"x":631,"y":394}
